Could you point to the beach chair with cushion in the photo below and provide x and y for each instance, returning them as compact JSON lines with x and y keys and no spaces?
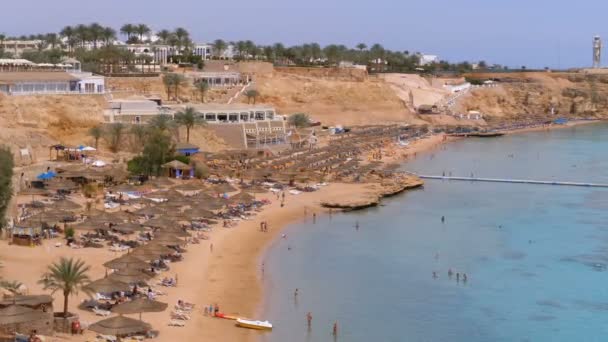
{"x":180,"y":315}
{"x":176,"y":323}
{"x":101,"y":312}
{"x":106,"y":338}
{"x":101,"y":296}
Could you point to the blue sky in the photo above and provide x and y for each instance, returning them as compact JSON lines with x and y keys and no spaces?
{"x":535,"y":33}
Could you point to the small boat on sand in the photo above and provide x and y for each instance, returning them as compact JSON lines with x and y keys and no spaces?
{"x":258,"y":325}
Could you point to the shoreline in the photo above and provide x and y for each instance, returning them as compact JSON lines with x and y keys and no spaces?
{"x":421,"y":146}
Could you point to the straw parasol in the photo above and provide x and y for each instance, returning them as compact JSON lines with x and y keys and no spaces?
{"x":64,"y":204}
{"x":241,"y":197}
{"x":148,"y":211}
{"x":129,"y":275}
{"x":177,"y":233}
{"x":34,"y":192}
{"x":198,"y":212}
{"x":57,"y":184}
{"x":157,"y":247}
{"x":145,"y":254}
{"x":140,"y":305}
{"x":177,"y":165}
{"x":161,"y":182}
{"x":107,"y":285}
{"x":108,"y":217}
{"x":124,"y":188}
{"x":256,"y":189}
{"x":189,"y":187}
{"x":127,"y":228}
{"x":119,"y":326}
{"x":90,"y":225}
{"x":222,"y":188}
{"x":15,"y":314}
{"x":160,"y":222}
{"x":126,"y":261}
{"x":167,"y":239}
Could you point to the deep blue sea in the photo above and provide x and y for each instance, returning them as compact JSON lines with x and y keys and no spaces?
{"x":536,"y":256}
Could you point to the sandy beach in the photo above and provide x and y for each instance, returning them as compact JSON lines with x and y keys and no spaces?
{"x":228,"y":274}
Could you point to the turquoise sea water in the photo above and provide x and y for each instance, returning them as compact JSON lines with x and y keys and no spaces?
{"x":536,"y":256}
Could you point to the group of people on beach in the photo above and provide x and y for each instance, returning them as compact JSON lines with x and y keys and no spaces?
{"x":211,"y":310}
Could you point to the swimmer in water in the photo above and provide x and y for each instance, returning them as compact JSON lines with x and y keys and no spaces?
{"x":434,"y":275}
{"x":450,"y":273}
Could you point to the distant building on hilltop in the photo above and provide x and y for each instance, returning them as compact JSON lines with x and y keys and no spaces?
{"x":428,"y":59}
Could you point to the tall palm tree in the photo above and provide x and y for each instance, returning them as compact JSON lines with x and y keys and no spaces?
{"x":188,"y":119}
{"x":68,"y":276}
{"x":279,"y":50}
{"x":163,"y":36}
{"x":183,"y":36}
{"x":142,"y":30}
{"x":109,"y":35}
{"x":68,"y":33}
{"x":82,"y":34}
{"x":219,"y":46}
{"x":161,"y":123}
{"x":241,"y":48}
{"x":96,"y":133}
{"x":203,"y":88}
{"x":127,"y":30}
{"x":52,"y":39}
{"x":95,"y":33}
{"x":11,"y":286}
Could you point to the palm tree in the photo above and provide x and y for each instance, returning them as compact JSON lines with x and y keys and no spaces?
{"x":82,"y":34}
{"x":203,"y":88}
{"x":183,"y":37}
{"x":52,"y":39}
{"x":161,"y":122}
{"x":219,"y":46}
{"x":188,"y":119}
{"x":108,"y":34}
{"x":163,"y":36}
{"x":252,"y":94}
{"x":68,"y":276}
{"x":241,"y":48}
{"x":139,"y":133}
{"x":68,"y":33}
{"x":127,"y":30}
{"x":95,"y":33}
{"x":11,"y":286}
{"x":142,"y":30}
{"x":361,"y":47}
{"x":279,"y":50}
{"x":96,"y":133}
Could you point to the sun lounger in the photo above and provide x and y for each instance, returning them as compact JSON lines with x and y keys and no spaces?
{"x":107,"y":338}
{"x":101,"y":296}
{"x":176,"y":323}
{"x":116,"y":248}
{"x":180,"y":316}
{"x":100,"y":312}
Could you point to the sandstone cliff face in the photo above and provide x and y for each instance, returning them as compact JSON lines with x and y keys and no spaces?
{"x":532,"y":98}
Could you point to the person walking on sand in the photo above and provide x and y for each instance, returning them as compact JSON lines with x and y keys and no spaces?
{"x":262,"y":226}
{"x":309,"y":319}
{"x":314,"y":217}
{"x":211,"y":248}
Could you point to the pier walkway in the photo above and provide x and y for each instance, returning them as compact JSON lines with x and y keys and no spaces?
{"x":518,"y":181}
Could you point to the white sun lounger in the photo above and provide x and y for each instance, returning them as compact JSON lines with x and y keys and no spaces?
{"x":176,"y":323}
{"x":100,"y":312}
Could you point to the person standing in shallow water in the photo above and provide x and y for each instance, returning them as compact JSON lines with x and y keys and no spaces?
{"x":442,"y":219}
{"x":309,"y":319}
{"x":335,"y":329}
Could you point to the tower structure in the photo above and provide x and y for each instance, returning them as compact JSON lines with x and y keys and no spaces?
{"x":597,"y":51}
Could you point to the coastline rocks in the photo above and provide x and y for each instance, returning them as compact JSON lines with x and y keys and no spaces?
{"x":373,"y":193}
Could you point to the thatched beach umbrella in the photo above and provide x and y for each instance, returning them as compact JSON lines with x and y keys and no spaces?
{"x":177,"y":233}
{"x":198,"y":213}
{"x":222,"y":188}
{"x":161,"y":222}
{"x":34,"y":192}
{"x":129,"y":275}
{"x":168,"y":240}
{"x":58,"y":184}
{"x":160,"y":248}
{"x":139,"y":305}
{"x":161,"y":182}
{"x":127,"y":228}
{"x":122,"y":188}
{"x":241,"y":197}
{"x":145,"y":254}
{"x":126,"y":261}
{"x":91,"y":225}
{"x":108,"y":285}
{"x":188,"y":187}
{"x":65,"y":204}
{"x":149,"y":211}
{"x":16,"y":314}
{"x":116,"y":217}
{"x":120,"y":326}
